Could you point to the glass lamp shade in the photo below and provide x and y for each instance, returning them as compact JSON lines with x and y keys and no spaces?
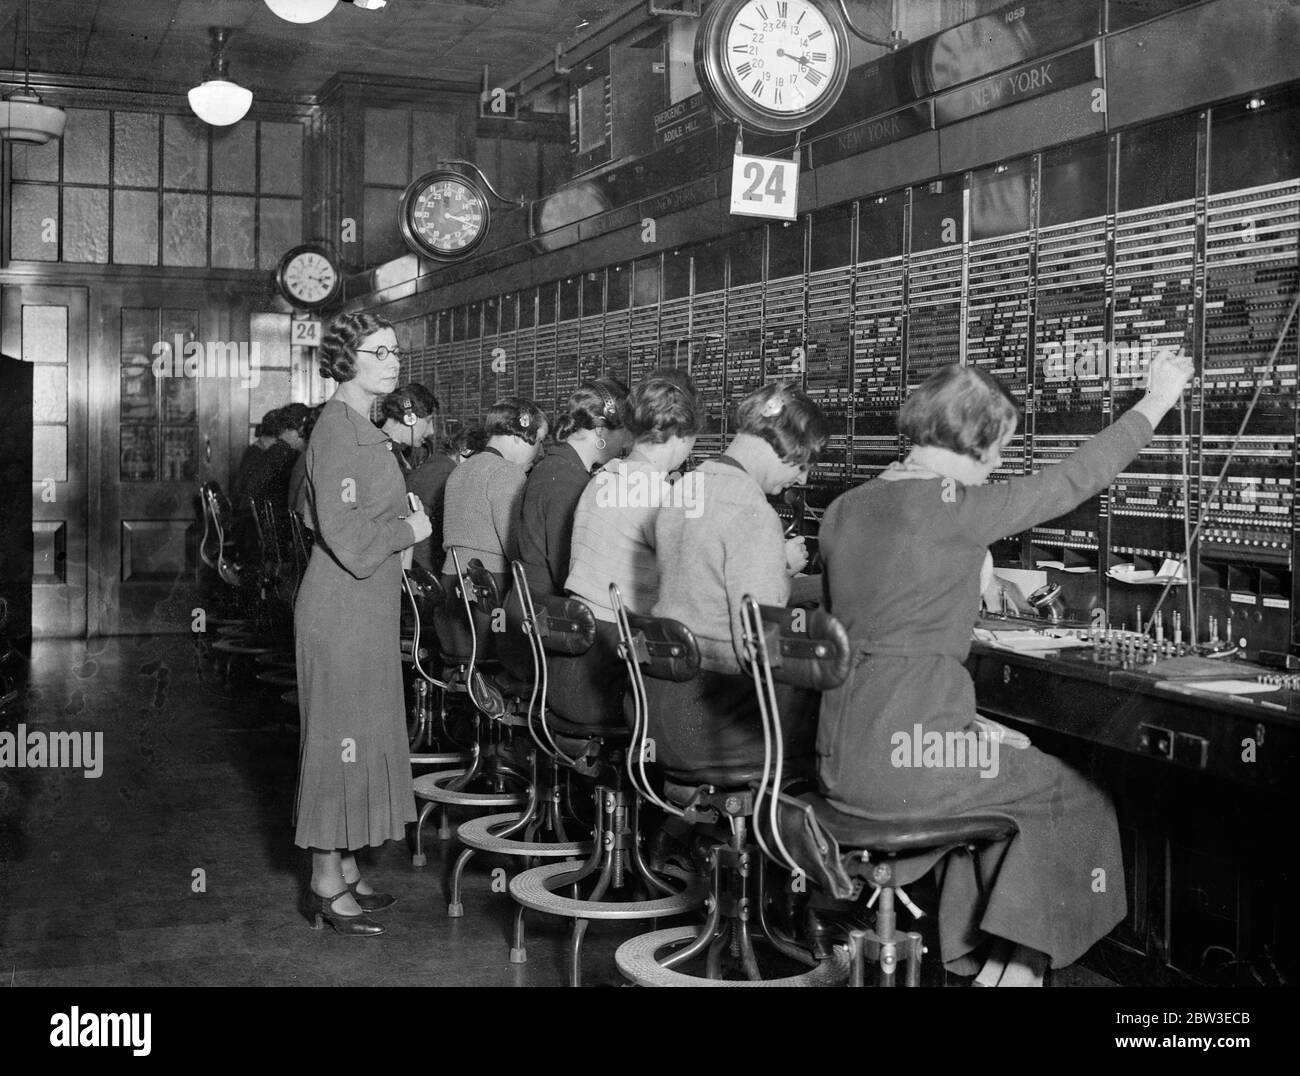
{"x":24,"y":119}
{"x":220,"y":103}
{"x":302,"y":10}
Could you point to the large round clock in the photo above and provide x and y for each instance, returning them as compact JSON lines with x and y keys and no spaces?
{"x":444,"y":215}
{"x":774,"y":66}
{"x":309,"y":276}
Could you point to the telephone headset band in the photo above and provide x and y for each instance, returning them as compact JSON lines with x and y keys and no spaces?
{"x":608,"y":408}
{"x":409,"y":417}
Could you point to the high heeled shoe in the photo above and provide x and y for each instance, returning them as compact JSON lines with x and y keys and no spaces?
{"x":371,"y":902}
{"x":319,"y":911}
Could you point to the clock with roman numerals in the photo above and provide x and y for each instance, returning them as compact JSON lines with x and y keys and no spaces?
{"x":774,"y":66}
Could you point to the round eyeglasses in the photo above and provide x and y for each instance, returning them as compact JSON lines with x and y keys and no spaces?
{"x":383,"y":353}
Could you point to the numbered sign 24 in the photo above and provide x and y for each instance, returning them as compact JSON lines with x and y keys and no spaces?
{"x":306,"y":333}
{"x":764,"y":187}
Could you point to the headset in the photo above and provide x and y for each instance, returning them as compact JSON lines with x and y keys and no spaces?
{"x":409,"y":417}
{"x":608,"y":408}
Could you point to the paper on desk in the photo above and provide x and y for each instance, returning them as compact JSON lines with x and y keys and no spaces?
{"x":1029,"y":642}
{"x":1059,"y":565}
{"x":1028,"y":581}
{"x":1169,"y":569}
{"x":1220,"y":687}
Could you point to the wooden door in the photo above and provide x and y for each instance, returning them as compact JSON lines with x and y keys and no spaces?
{"x":47,"y":327}
{"x":163,"y":428}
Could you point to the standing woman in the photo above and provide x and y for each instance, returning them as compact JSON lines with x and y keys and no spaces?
{"x":902,"y":556}
{"x":354,"y":767}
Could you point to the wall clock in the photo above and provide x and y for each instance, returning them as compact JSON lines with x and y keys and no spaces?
{"x":309,"y":276}
{"x":444,"y":215}
{"x":774,"y":66}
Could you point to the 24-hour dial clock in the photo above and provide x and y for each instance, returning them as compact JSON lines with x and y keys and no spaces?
{"x":444,"y":215}
{"x":773,"y":65}
{"x":309,"y":277}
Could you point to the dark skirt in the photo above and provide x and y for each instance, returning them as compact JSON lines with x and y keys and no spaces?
{"x":354,"y":763}
{"x":1057,"y":886}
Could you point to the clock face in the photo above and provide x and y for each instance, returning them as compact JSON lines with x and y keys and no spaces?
{"x":781,"y":55}
{"x":773,"y":65}
{"x":444,"y":215}
{"x":309,"y":277}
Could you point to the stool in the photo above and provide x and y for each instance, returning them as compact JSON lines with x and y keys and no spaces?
{"x":845,"y":851}
{"x":460,"y":639}
{"x":616,"y":848}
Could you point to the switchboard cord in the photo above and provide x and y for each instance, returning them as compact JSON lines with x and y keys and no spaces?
{"x":1192,"y":538}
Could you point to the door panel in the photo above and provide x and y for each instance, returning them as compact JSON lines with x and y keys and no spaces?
{"x":47,"y":327}
{"x":163,"y":431}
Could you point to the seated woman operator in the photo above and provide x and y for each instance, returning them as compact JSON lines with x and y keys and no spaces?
{"x":902,"y":560}
{"x":428,"y":481}
{"x":409,"y":417}
{"x":614,"y":525}
{"x":719,"y":542}
{"x":591,"y":432}
{"x":483,"y":494}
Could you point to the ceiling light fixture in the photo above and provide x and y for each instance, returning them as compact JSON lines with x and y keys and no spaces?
{"x":301,"y":11}
{"x":217,"y":100}
{"x":22,"y":117}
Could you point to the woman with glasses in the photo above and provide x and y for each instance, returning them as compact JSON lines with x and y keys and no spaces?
{"x":354,"y":768}
{"x":717,"y":542}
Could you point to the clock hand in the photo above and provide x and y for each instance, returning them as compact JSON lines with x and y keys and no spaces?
{"x":801,"y":60}
{"x":458,"y":220}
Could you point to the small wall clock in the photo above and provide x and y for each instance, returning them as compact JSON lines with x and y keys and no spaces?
{"x":309,"y":276}
{"x":444,"y":215}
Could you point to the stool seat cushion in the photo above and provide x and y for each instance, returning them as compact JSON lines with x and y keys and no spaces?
{"x":912,"y":835}
{"x":683,"y":783}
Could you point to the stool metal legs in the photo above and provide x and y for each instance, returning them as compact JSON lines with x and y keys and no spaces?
{"x":886,"y":947}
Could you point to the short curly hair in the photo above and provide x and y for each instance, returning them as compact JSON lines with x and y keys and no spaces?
{"x":424,"y":403}
{"x":960,"y":408}
{"x":514,"y":416}
{"x":664,"y":405}
{"x":786,"y":419}
{"x":597,"y":404}
{"x":338,"y":348}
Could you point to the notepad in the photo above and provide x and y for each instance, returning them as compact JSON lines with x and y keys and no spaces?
{"x":1219,"y":687}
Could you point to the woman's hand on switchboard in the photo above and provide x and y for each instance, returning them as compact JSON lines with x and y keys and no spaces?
{"x":1166,"y":377}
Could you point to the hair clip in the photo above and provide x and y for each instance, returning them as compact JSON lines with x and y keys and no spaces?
{"x":773,"y":406}
{"x":524,"y":420}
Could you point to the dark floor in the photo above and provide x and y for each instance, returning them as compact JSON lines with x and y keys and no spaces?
{"x":97,"y":876}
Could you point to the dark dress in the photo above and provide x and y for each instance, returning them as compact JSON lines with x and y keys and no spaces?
{"x":428,"y":481}
{"x":902,"y":575}
{"x":354,"y":768}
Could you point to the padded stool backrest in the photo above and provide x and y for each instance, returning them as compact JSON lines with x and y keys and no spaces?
{"x":661,"y":648}
{"x":804,"y":648}
{"x":460,"y":640}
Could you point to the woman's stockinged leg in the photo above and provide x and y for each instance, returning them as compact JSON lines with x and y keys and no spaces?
{"x":352,"y":874}
{"x":327,"y":880}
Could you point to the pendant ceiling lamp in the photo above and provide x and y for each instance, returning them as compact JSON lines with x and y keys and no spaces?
{"x":302,"y":10}
{"x":217,"y":100}
{"x":22,"y":116}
